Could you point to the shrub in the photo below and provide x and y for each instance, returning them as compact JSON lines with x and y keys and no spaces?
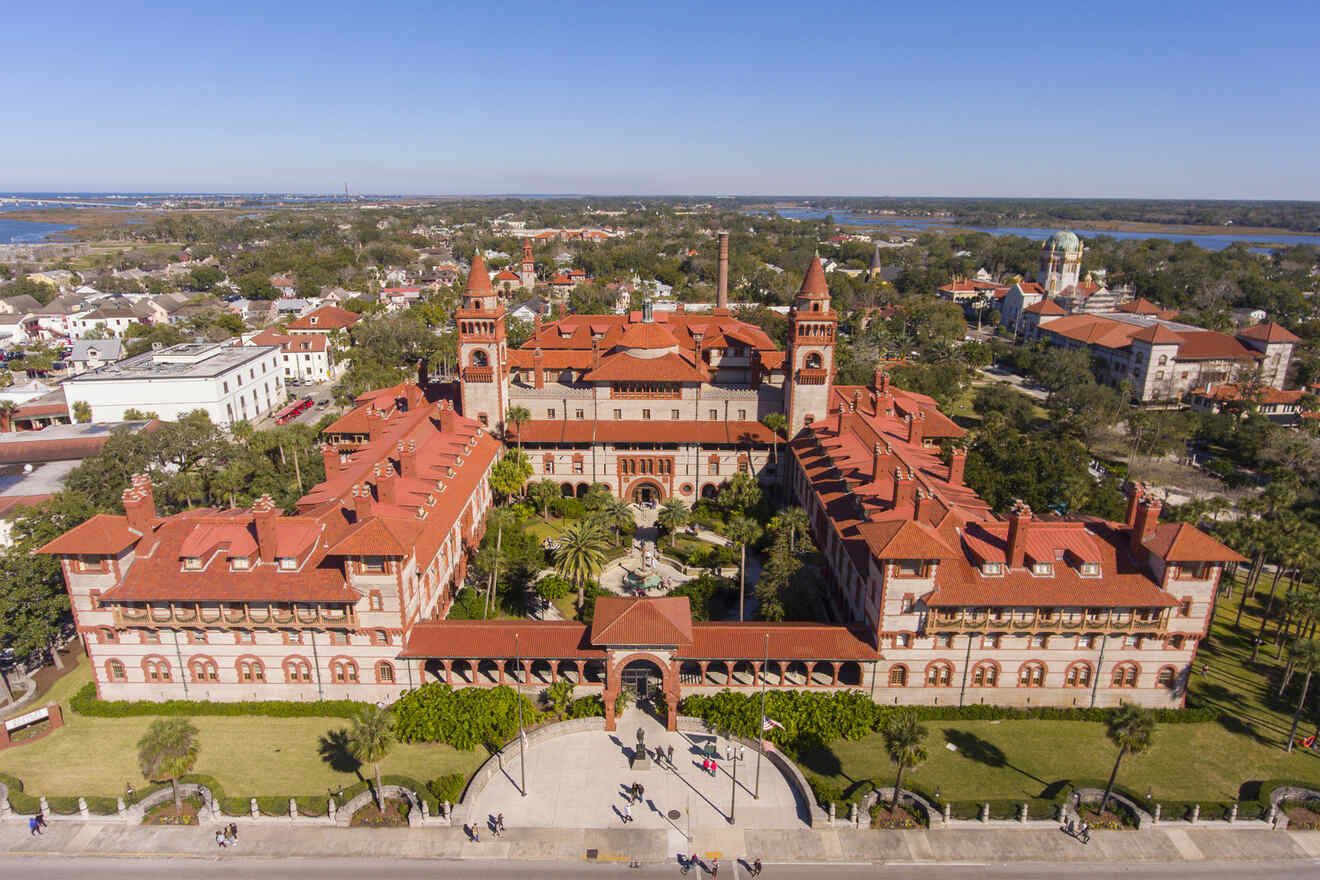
{"x":20,"y":801}
{"x":66,"y":806}
{"x":462,"y":718}
{"x":448,"y":787}
{"x":85,"y":703}
{"x":102,"y":806}
{"x":587,"y":707}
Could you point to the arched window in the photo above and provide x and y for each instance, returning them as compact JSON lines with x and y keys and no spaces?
{"x":939,"y":674}
{"x":1164,"y":359}
{"x":1125,"y":675}
{"x":384,"y":672}
{"x":250,"y":669}
{"x":297,"y":670}
{"x":813,"y":361}
{"x":985,"y":675}
{"x":203,"y":669}
{"x":1031,"y":675}
{"x":1166,"y":678}
{"x":898,"y":676}
{"x":114,"y":670}
{"x":479,"y":358}
{"x":157,"y":669}
{"x":343,"y":671}
{"x":1078,"y":675}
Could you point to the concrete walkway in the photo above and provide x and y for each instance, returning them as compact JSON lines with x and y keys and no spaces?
{"x":1167,"y":844}
{"x":593,"y":766}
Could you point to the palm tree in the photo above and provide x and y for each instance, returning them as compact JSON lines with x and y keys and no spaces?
{"x":370,"y":739}
{"x":777,"y":422}
{"x":742,"y":531}
{"x":905,"y":742}
{"x":614,"y":513}
{"x":7,"y":410}
{"x":673,"y":516}
{"x":167,"y":751}
{"x":792,"y":520}
{"x":517,"y":416}
{"x":542,"y":494}
{"x":501,"y":518}
{"x":1305,"y":658}
{"x":1132,"y":729}
{"x":581,"y":554}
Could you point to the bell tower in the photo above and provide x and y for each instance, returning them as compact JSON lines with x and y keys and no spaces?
{"x":810,"y":356}
{"x":527,"y":277}
{"x":483,"y":357}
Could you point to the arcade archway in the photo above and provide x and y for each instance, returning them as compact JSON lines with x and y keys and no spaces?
{"x":646,"y":492}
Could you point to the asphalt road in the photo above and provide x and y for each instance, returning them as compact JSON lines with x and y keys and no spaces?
{"x":65,"y":868}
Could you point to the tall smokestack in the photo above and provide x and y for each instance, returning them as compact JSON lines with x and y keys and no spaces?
{"x":723,"y":296}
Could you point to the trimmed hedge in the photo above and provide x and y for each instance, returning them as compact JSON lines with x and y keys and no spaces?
{"x":980,"y":712}
{"x":19,"y":800}
{"x":85,"y":703}
{"x":448,"y":787}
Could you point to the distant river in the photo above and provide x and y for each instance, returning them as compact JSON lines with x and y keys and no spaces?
{"x":20,"y":231}
{"x":1210,"y":241}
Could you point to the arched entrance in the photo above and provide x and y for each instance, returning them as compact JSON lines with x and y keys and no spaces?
{"x":710,"y":492}
{"x":646,"y":492}
{"x":641,"y":678}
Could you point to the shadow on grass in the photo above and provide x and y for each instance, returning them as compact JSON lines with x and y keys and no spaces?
{"x":983,"y":751}
{"x":821,"y":760}
{"x":335,"y":752}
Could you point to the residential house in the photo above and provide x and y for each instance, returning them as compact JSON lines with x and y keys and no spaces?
{"x":90,"y":354}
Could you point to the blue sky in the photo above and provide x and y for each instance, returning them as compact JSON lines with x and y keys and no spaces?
{"x":1151,"y":99}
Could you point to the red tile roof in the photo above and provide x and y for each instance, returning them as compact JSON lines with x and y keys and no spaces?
{"x":1268,"y":333}
{"x":650,"y":622}
{"x":478,"y":280}
{"x":647,"y":336}
{"x":788,"y":641}
{"x":1209,"y":345}
{"x":1180,"y":542}
{"x":1264,"y":394}
{"x":505,"y":275}
{"x":473,"y":639}
{"x":904,"y":539}
{"x":103,"y":535}
{"x":625,"y":367}
{"x":1045,"y":307}
{"x":1158,"y":334}
{"x":813,"y":284}
{"x":327,"y":318}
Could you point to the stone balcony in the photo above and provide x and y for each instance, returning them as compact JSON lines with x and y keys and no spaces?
{"x":238,"y":614}
{"x":1107,"y":622}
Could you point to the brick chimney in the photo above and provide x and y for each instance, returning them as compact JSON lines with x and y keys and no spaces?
{"x":408,"y":459}
{"x":904,"y":487}
{"x":838,"y":419}
{"x":1019,"y":522}
{"x":755,"y":369}
{"x":536,"y":325}
{"x":331,"y":456}
{"x":361,"y":502}
{"x":922,"y":506}
{"x":538,"y":368}
{"x":374,"y":419}
{"x":1135,"y":492}
{"x":139,"y":504}
{"x":957,"y":462}
{"x":1148,"y":518}
{"x":916,"y":425}
{"x":263,"y":517}
{"x":881,"y":381}
{"x":722,"y":294}
{"x":595,"y":353}
{"x":878,"y":455}
{"x":387,"y":490}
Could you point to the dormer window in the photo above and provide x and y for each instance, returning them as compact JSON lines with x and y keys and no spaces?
{"x":1042,"y":569}
{"x":1090,"y":569}
{"x":910,"y":568}
{"x":992,"y":568}
{"x":192,"y":563}
{"x":238,"y":563}
{"x":288,"y":563}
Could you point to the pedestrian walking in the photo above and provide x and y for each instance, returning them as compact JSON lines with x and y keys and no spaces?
{"x":499,"y":824}
{"x":641,"y":792}
{"x":232,"y":834}
{"x":756,"y":868}
{"x":476,"y":834}
{"x":715,"y":870}
{"x":627,"y":813}
{"x":41,"y":820}
{"x":220,"y":839}
{"x":669,"y":756}
{"x":33,"y":828}
{"x":714,"y":768}
{"x":1086,"y":833}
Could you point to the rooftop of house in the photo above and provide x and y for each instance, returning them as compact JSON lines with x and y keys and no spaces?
{"x":187,"y":360}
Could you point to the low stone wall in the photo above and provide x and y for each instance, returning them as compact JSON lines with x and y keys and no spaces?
{"x":1094,"y":796}
{"x":1277,"y":817}
{"x":808,"y":809}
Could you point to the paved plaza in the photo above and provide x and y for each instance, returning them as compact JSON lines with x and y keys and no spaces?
{"x":581,"y":781}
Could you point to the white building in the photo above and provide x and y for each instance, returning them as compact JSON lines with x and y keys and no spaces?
{"x":308,"y":357}
{"x":231,"y":383}
{"x":92,"y":354}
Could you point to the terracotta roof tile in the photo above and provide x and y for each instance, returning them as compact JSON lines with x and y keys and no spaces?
{"x":788,"y":641}
{"x":620,"y":621}
{"x":471,"y":639}
{"x":1180,"y":542}
{"x":1269,"y":333}
{"x":327,"y":318}
{"x":813,"y":284}
{"x":104,"y":535}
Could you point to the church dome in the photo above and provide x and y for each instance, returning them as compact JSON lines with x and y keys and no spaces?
{"x":1064,"y":241}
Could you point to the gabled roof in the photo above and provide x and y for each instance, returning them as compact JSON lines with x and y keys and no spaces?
{"x":1157,"y":334}
{"x":623,"y":367}
{"x":1268,"y":333}
{"x":1046,"y":307}
{"x":1182,"y":542}
{"x":102,"y":535}
{"x":647,"y":336}
{"x":651,"y":622}
{"x":326,"y":318}
{"x":378,"y":536}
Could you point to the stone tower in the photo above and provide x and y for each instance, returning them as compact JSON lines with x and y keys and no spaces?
{"x":483,"y":355}
{"x":1060,"y":262}
{"x":810,"y":356}
{"x":527,"y":276}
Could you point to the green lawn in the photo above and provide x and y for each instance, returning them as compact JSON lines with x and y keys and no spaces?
{"x":250,"y":756}
{"x":1208,"y":761}
{"x":542,"y":529}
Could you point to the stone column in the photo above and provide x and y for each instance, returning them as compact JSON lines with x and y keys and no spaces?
{"x":834,"y":675}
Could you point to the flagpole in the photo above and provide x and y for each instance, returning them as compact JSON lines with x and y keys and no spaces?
{"x":760,"y":734}
{"x":522,"y":738}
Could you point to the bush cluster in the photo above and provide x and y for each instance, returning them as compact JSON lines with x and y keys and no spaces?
{"x":85,"y":702}
{"x":462,"y":718}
